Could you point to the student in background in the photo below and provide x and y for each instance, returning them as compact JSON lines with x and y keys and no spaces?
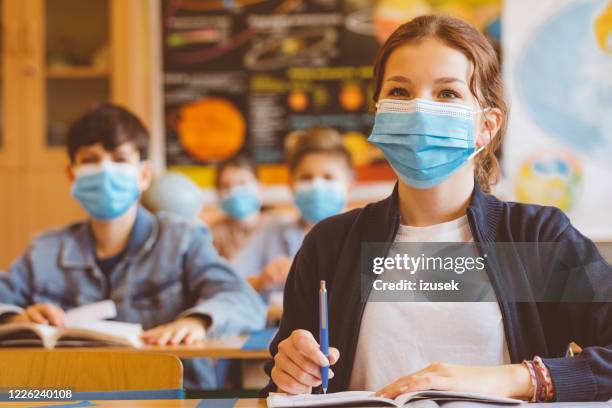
{"x":240,"y":200}
{"x":160,"y":271}
{"x":441,"y":114}
{"x":321,"y":177}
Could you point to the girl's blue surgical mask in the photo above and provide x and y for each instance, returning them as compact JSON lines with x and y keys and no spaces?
{"x":241,"y":202}
{"x":320,"y":198}
{"x":424,"y":141}
{"x":106,"y":190}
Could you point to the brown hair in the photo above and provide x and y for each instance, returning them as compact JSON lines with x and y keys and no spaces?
{"x":240,"y":162}
{"x":485,"y":84}
{"x":111,"y":126}
{"x":315,"y":140}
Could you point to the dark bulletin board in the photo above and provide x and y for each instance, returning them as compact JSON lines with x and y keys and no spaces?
{"x":239,"y":75}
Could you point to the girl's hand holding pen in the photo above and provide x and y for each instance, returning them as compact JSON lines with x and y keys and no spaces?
{"x":297,"y":365}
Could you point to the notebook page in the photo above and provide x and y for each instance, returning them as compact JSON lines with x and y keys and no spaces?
{"x":280,"y":400}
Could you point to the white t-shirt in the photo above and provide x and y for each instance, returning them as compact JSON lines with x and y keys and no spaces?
{"x":400,"y":338}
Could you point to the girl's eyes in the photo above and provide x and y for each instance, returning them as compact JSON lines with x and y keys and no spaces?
{"x":449,"y":94}
{"x":444,"y":94}
{"x":398,"y":92}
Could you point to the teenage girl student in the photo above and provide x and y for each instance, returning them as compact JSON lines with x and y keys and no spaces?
{"x":441,"y":115}
{"x":321,"y":175}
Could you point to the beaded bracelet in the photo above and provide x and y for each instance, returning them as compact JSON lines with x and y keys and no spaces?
{"x":543,"y":374}
{"x":534,"y":380}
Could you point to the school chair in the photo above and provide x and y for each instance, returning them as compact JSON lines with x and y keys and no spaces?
{"x":89,"y":371}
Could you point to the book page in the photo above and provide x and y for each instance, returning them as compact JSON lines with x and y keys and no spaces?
{"x":111,"y":332}
{"x":453,"y":395}
{"x":91,"y":313}
{"x":45,"y":332}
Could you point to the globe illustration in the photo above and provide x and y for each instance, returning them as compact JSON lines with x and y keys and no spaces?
{"x":564,"y":78}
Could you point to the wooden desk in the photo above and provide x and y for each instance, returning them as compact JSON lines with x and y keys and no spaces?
{"x":241,"y":403}
{"x":222,"y":348}
{"x":115,"y":404}
{"x":255,"y":403}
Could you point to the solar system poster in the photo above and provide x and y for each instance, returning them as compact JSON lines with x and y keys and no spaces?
{"x":240,"y":75}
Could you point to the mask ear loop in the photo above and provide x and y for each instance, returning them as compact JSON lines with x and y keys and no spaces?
{"x":481,"y":148}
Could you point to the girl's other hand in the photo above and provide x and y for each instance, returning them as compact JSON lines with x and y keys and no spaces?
{"x":512,"y":381}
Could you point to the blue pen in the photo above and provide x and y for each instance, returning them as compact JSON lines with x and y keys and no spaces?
{"x":323,"y":334}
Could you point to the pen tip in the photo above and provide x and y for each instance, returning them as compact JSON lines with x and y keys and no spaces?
{"x":324,"y":390}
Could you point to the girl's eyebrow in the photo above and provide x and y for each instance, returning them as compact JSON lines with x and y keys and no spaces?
{"x":398,"y":78}
{"x":443,"y":80}
{"x":447,"y":80}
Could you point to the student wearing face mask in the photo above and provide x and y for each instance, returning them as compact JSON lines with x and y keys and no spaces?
{"x":162,"y":272}
{"x":321,"y":176}
{"x":240,"y":200}
{"x":441,"y":115}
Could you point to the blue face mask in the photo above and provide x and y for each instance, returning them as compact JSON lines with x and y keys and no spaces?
{"x":241,"y":202}
{"x":320,"y":199}
{"x":108,"y":190}
{"x":424,"y":141}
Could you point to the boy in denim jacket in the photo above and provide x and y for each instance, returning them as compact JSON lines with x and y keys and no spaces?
{"x":160,"y":271}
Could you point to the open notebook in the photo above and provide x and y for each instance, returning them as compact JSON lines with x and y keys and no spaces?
{"x":365,"y":398}
{"x":84,"y":327}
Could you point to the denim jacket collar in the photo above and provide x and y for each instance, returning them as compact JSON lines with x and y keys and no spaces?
{"x":78,"y":248}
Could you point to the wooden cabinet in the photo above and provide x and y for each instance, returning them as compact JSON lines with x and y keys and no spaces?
{"x":59,"y":57}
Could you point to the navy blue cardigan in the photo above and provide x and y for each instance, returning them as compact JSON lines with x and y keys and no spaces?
{"x":331,"y":251}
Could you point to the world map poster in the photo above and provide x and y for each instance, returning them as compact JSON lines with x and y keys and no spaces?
{"x":558,"y":70}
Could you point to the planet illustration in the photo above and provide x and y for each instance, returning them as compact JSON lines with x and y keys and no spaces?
{"x":211,"y":129}
{"x":351,"y":97}
{"x":305,"y":46}
{"x":390,"y":14}
{"x":298,"y":101}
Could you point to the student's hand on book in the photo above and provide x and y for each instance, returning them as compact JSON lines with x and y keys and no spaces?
{"x":297,"y":365}
{"x":188,"y":330}
{"x":41,"y":313}
{"x":511,"y":381}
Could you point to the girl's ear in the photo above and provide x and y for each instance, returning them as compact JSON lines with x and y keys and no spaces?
{"x":489,"y":126}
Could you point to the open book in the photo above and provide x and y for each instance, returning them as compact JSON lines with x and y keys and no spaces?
{"x":365,"y":398}
{"x":84,"y":327}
